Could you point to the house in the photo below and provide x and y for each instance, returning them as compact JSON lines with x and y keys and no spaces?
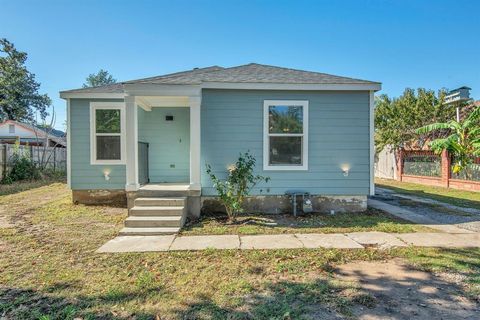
{"x":146,"y":142}
{"x":12,"y":131}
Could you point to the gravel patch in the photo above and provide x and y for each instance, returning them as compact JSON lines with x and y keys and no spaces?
{"x":465,"y":218}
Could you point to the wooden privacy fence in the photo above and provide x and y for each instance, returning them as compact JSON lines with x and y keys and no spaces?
{"x":54,"y":158}
{"x":428,"y":168}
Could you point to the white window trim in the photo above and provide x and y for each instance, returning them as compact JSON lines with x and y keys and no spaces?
{"x":266,"y":135}
{"x":93,"y":141}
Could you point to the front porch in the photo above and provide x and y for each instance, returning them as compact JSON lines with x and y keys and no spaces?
{"x":162,"y":143}
{"x":162,"y":159}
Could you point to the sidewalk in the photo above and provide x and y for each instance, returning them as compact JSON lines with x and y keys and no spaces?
{"x":357,"y":240}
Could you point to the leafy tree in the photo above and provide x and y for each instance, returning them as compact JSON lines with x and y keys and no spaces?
{"x":101,"y":78}
{"x":240,"y":180}
{"x":463,"y":141}
{"x":397,"y":119}
{"x":19,"y":96}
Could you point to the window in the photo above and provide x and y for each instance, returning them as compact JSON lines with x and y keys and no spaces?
{"x":11,"y":128}
{"x":285,"y":135}
{"x":107,"y":126}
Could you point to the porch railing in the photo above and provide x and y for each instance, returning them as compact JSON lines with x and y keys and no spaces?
{"x":143,"y":177}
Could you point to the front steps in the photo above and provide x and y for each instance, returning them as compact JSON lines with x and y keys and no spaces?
{"x":155,"y":216}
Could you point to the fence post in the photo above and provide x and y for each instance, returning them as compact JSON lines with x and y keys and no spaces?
{"x":399,"y":164}
{"x":445,"y":168}
{"x":54,"y":159}
{"x":4,"y":159}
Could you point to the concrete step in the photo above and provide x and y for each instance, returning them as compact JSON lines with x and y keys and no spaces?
{"x":148,"y":231}
{"x":153,"y":221}
{"x":146,"y":193}
{"x":157,"y":211}
{"x":150,"y":202}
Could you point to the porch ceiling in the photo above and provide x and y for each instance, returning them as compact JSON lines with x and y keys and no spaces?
{"x":148,"y":102}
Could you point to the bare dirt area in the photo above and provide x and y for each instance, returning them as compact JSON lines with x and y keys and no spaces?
{"x":400,"y":292}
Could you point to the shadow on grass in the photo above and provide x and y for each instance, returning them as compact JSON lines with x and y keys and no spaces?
{"x":32,"y":304}
{"x":377,"y":293}
{"x":20,"y":186}
{"x":381,"y":294}
{"x":457,"y":201}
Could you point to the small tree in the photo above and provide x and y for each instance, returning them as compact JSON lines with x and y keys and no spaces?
{"x":240,"y":180}
{"x":463,"y":142}
{"x":101,"y":78}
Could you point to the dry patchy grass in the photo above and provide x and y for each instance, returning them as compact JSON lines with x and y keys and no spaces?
{"x":49,"y":270}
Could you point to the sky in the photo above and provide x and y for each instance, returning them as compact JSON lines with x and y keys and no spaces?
{"x":420,"y":43}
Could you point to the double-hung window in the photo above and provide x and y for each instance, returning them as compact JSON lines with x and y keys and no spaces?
{"x":285,"y":135}
{"x":107,"y":132}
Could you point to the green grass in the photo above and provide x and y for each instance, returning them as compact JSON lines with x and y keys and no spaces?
{"x":460,"y":198}
{"x":463,"y":262}
{"x":49,"y":270}
{"x":371,"y":220}
{"x":19,"y":186}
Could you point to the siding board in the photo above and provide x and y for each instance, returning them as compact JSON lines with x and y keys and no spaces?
{"x":83,"y":174}
{"x":232,"y":122}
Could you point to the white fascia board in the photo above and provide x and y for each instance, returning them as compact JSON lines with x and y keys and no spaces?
{"x":195,"y":90}
{"x":92,"y":95}
{"x":287,"y":86}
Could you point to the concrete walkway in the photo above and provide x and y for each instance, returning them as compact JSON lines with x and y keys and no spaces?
{"x":356,"y":240}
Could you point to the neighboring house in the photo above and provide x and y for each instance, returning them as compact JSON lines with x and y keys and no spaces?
{"x":13,"y":131}
{"x":151,"y":138}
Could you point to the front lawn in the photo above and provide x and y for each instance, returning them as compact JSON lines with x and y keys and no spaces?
{"x":371,"y":220}
{"x":49,"y":270}
{"x":460,"y":198}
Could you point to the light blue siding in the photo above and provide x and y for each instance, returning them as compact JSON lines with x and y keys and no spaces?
{"x":83,"y":174}
{"x":232,"y":122}
{"x":169,"y":143}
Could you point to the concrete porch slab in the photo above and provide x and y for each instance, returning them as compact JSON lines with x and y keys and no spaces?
{"x":381,"y":240}
{"x":277,"y":241}
{"x":206,"y":242}
{"x":338,"y":241}
{"x":444,"y":240}
{"x":137,"y":244}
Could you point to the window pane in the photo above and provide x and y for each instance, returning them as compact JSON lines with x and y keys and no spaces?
{"x":108,"y":147}
{"x":286,"y":150}
{"x":285,"y":119}
{"x":107,"y":120}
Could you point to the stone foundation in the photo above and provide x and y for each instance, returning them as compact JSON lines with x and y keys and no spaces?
{"x":281,"y":204}
{"x":254,"y":204}
{"x":115,"y":198}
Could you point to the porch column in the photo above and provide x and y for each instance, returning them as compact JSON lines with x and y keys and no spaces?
{"x":195,"y":132}
{"x":131,"y":144}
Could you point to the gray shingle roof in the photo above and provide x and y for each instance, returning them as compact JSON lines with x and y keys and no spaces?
{"x":249,"y":73}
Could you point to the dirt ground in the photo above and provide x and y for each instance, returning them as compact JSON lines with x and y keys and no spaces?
{"x":402,"y":293}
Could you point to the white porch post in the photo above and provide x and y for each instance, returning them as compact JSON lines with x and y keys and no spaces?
{"x":131,"y":141}
{"x":195,"y":133}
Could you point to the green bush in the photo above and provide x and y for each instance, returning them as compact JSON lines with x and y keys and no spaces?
{"x":22,"y":168}
{"x":240,"y":180}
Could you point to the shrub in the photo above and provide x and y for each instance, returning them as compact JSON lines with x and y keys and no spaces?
{"x":240,"y":180}
{"x":22,"y":168}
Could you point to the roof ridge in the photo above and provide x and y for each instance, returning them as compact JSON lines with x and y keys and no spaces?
{"x":180,"y":73}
